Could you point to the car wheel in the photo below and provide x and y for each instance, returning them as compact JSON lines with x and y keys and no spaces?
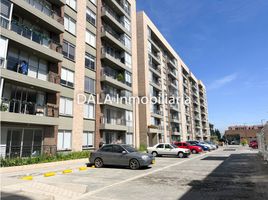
{"x":98,"y":163}
{"x":134,"y":164}
{"x":155,"y":154}
{"x":180,"y":155}
{"x":194,"y":151}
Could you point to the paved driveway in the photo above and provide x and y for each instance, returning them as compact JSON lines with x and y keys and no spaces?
{"x":229,"y":173}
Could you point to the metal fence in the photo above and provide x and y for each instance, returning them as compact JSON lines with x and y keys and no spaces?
{"x":262,"y":138}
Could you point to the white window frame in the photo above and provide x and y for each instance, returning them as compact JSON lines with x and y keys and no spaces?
{"x":69,"y":74}
{"x":67,"y":24}
{"x":92,"y":92}
{"x":86,"y":144}
{"x":87,"y":114}
{"x":61,"y":141}
{"x":63,"y":106}
{"x":92,"y":15}
{"x":90,"y":38}
{"x":71,"y":3}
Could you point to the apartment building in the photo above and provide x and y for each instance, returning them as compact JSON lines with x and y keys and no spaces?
{"x":53,"y":51}
{"x":161,"y":72}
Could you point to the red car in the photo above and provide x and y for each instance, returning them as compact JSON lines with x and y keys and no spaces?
{"x":253,"y":144}
{"x":185,"y":145}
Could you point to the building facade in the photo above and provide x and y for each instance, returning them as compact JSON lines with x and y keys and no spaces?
{"x":55,"y":53}
{"x":162,"y":73}
{"x":238,"y":133}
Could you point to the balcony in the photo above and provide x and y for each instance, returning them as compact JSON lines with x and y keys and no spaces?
{"x":155,"y":57}
{"x":119,"y":7}
{"x":174,"y":107}
{"x":114,"y":59}
{"x":157,"y":113}
{"x":118,"y":124}
{"x":156,"y":84}
{"x":175,"y":120}
{"x":173,"y":73}
{"x":114,"y":20}
{"x":41,"y":11}
{"x":172,"y":63}
{"x":114,"y":103}
{"x":16,"y":111}
{"x":107,"y":33}
{"x":173,"y":84}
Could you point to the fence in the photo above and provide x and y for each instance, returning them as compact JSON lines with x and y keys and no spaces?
{"x":262,"y":138}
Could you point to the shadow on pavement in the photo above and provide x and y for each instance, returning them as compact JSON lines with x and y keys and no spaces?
{"x":241,"y":176}
{"x":10,"y":196}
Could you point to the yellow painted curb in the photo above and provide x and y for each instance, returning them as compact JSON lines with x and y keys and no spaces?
{"x":82,"y":168}
{"x":67,"y":171}
{"x":27,"y":178}
{"x":93,"y":166}
{"x":48,"y":174}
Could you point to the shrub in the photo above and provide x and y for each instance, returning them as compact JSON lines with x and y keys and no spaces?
{"x":44,"y":158}
{"x":244,"y":142}
{"x":142,"y":148}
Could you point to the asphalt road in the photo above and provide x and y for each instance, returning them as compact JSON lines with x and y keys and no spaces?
{"x":228,"y":173}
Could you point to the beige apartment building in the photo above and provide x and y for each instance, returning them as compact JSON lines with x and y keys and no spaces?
{"x":53,"y":52}
{"x":161,"y":72}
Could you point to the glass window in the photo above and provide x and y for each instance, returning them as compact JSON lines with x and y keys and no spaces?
{"x":94,"y":1}
{"x":91,"y":16}
{"x":107,"y":148}
{"x":90,"y":38}
{"x":88,"y":138}
{"x":127,"y":41}
{"x":68,"y":50}
{"x":129,"y":118}
{"x":160,"y":146}
{"x":89,"y":85}
{"x":89,"y":111}
{"x":69,"y":24}
{"x":5,"y":9}
{"x":129,"y":138}
{"x":66,"y":106}
{"x":117,"y":149}
{"x":71,"y":3}
{"x":128,"y":61}
{"x":127,"y":23}
{"x":67,"y":77}
{"x":64,"y":140}
{"x":90,"y":61}
{"x":128,"y":78}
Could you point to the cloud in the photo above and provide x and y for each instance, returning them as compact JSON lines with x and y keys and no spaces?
{"x":222,"y":81}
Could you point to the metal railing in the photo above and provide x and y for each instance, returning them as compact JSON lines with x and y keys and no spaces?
{"x":42,"y":6}
{"x":35,"y":36}
{"x":262,"y":139}
{"x":30,"y":108}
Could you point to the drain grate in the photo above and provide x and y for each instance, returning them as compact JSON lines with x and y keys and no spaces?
{"x":229,"y":149}
{"x":215,"y":158}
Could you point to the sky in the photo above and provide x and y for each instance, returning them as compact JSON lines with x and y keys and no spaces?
{"x":225,"y":44}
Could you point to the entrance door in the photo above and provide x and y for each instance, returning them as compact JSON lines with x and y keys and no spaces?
{"x":16,"y":136}
{"x":27,"y":142}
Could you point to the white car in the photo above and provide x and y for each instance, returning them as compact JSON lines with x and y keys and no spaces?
{"x":168,"y":149}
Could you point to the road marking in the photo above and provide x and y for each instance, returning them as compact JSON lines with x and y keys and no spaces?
{"x":82,"y":168}
{"x":143,"y":175}
{"x":27,"y":178}
{"x":67,"y":171}
{"x":48,"y":174}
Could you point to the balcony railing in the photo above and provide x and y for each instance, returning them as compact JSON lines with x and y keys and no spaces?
{"x":22,"y":67}
{"x":126,"y":9}
{"x":121,"y":122}
{"x":115,"y":75}
{"x":113,"y":33}
{"x":35,"y":36}
{"x":30,"y":108}
{"x":44,"y":8}
{"x":158,"y":112}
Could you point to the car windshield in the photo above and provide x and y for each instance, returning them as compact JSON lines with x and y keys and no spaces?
{"x":129,"y":148}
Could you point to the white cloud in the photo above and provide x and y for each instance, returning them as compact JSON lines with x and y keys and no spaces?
{"x":222,"y":81}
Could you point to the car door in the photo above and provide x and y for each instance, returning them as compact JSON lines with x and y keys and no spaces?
{"x":168,"y":149}
{"x":118,"y":157}
{"x":106,"y":154}
{"x":160,"y":149}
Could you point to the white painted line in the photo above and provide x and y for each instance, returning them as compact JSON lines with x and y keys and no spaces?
{"x":143,"y":175}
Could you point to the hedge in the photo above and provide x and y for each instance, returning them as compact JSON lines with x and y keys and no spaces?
{"x":44,"y":159}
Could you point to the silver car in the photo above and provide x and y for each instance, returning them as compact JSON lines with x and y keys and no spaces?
{"x":120,"y":155}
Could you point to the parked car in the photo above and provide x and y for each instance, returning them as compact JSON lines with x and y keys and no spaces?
{"x":214,"y":146}
{"x":168,"y":149}
{"x":253,"y":144}
{"x":120,"y":155}
{"x":234,"y":142}
{"x":211,"y":147}
{"x":193,"y":142}
{"x":193,"y":148}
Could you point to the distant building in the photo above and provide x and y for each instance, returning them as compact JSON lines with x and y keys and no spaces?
{"x":237,"y":133}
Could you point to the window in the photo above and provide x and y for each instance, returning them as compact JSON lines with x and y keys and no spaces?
{"x":160,"y":146}
{"x":88,"y":138}
{"x":117,"y":149}
{"x":129,"y":138}
{"x":127,"y":41}
{"x":93,"y":1}
{"x":167,"y":146}
{"x":64,"y":140}
{"x":129,"y":118}
{"x":68,"y":50}
{"x":107,"y":148}
{"x":5,"y":11}
{"x":128,"y":60}
{"x":67,"y":77}
{"x":89,"y":85}
{"x":71,"y":3}
{"x":66,"y":106}
{"x":127,"y":23}
{"x":128,"y":78}
{"x":90,"y":61}
{"x":90,"y":39}
{"x":91,"y":17}
{"x":89,"y":111}
{"x":69,"y":24}
{"x":3,"y":50}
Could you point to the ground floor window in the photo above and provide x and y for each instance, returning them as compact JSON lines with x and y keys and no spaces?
{"x":23,"y":142}
{"x":88,"y":139}
{"x":176,"y":138}
{"x":64,"y":140}
{"x":114,"y":137}
{"x":129,"y":138}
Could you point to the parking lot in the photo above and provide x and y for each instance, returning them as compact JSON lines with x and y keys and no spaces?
{"x":232,"y":172}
